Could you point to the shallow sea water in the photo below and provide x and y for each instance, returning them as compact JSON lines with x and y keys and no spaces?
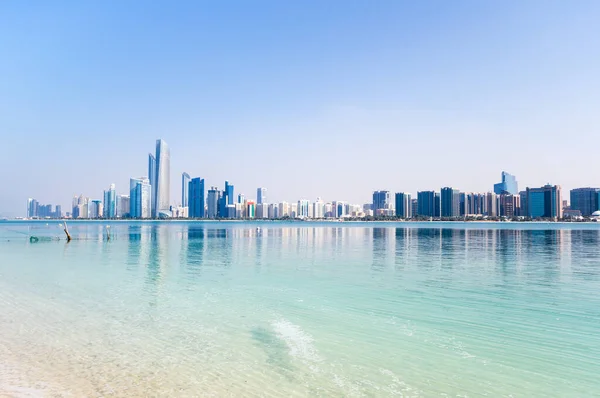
{"x":300,"y":309}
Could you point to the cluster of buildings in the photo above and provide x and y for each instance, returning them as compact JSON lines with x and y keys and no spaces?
{"x":505,"y":201}
{"x":149,"y":198}
{"x":37,"y":210}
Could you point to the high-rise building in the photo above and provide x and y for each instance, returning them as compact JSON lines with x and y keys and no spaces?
{"x":32,"y":208}
{"x":586,"y":200}
{"x":228,"y":193}
{"x":509,"y":205}
{"x":123,"y":206}
{"x":426,"y":203}
{"x":403,"y":205}
{"x":284,"y":210}
{"x":475,"y":204}
{"x":261,"y":195}
{"x":303,"y":208}
{"x":508,"y":185}
{"x":58,"y":212}
{"x":241,"y":198}
{"x":140,"y":198}
{"x":95,"y":209}
{"x":491,"y":204}
{"x":196,"y":198}
{"x":381,"y":202}
{"x":523,"y":203}
{"x":250,"y":209}
{"x":213,"y":197}
{"x":318,"y":209}
{"x":450,"y":202}
{"x":226,"y":199}
{"x":110,"y":202}
{"x":185,"y":186}
{"x":544,"y":202}
{"x":152,"y":180}
{"x":162,"y":187}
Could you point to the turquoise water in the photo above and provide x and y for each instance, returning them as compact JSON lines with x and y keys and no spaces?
{"x":301,"y":309}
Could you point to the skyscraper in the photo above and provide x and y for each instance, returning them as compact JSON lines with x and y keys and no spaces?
{"x":544,"y":202}
{"x":152,"y":180}
{"x":381,"y":202}
{"x":450,"y":202}
{"x":508,"y":185}
{"x":213,"y":202}
{"x":110,"y":205}
{"x":163,"y":180}
{"x":140,"y":198}
{"x":586,"y":200}
{"x":226,"y":200}
{"x":185,"y":186}
{"x":403,"y":205}
{"x":123,"y":206}
{"x":197,"y":199}
{"x":229,"y":193}
{"x":303,"y":208}
{"x":261,"y":195}
{"x":426,"y":203}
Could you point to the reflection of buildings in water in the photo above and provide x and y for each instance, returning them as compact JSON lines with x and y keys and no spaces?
{"x":194,"y":242}
{"x":134,"y":245}
{"x":584,"y":252}
{"x":404,"y":246}
{"x":381,"y":251}
{"x":429,"y":245}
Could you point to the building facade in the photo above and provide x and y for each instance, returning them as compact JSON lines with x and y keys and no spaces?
{"x":450,"y":202}
{"x":162,"y":187}
{"x":261,"y":195}
{"x":544,"y":202}
{"x":212,"y":202}
{"x":185,"y":189}
{"x":508,"y":185}
{"x":586,"y":200}
{"x":196,"y":198}
{"x":110,"y":202}
{"x":403,"y":205}
{"x":427,"y":203}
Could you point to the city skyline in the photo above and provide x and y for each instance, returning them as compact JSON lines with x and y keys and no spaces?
{"x":346,"y":98}
{"x":147,"y":201}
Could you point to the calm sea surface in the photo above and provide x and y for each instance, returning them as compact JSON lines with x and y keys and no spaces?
{"x":300,"y":309}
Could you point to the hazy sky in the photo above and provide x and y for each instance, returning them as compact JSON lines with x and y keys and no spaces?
{"x":307,"y":98}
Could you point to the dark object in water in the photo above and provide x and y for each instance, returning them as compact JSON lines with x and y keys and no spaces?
{"x":36,"y":239}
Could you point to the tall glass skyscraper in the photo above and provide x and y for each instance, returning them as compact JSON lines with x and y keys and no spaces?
{"x":196,"y":200}
{"x":228,"y":193}
{"x":508,"y":185}
{"x":426,"y":203}
{"x":450,"y":202}
{"x":110,"y":205}
{"x":403,"y":205}
{"x":544,"y":202}
{"x":140,"y":198}
{"x":185,"y":186}
{"x":585,"y":200}
{"x":213,"y":202}
{"x":163,"y":179}
{"x":152,"y":181}
{"x":381,"y":201}
{"x":261,"y":195}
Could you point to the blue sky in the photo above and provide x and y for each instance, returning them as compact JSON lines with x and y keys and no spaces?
{"x":314,"y":98}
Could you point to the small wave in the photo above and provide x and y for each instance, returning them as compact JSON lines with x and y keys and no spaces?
{"x":300,"y":344}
